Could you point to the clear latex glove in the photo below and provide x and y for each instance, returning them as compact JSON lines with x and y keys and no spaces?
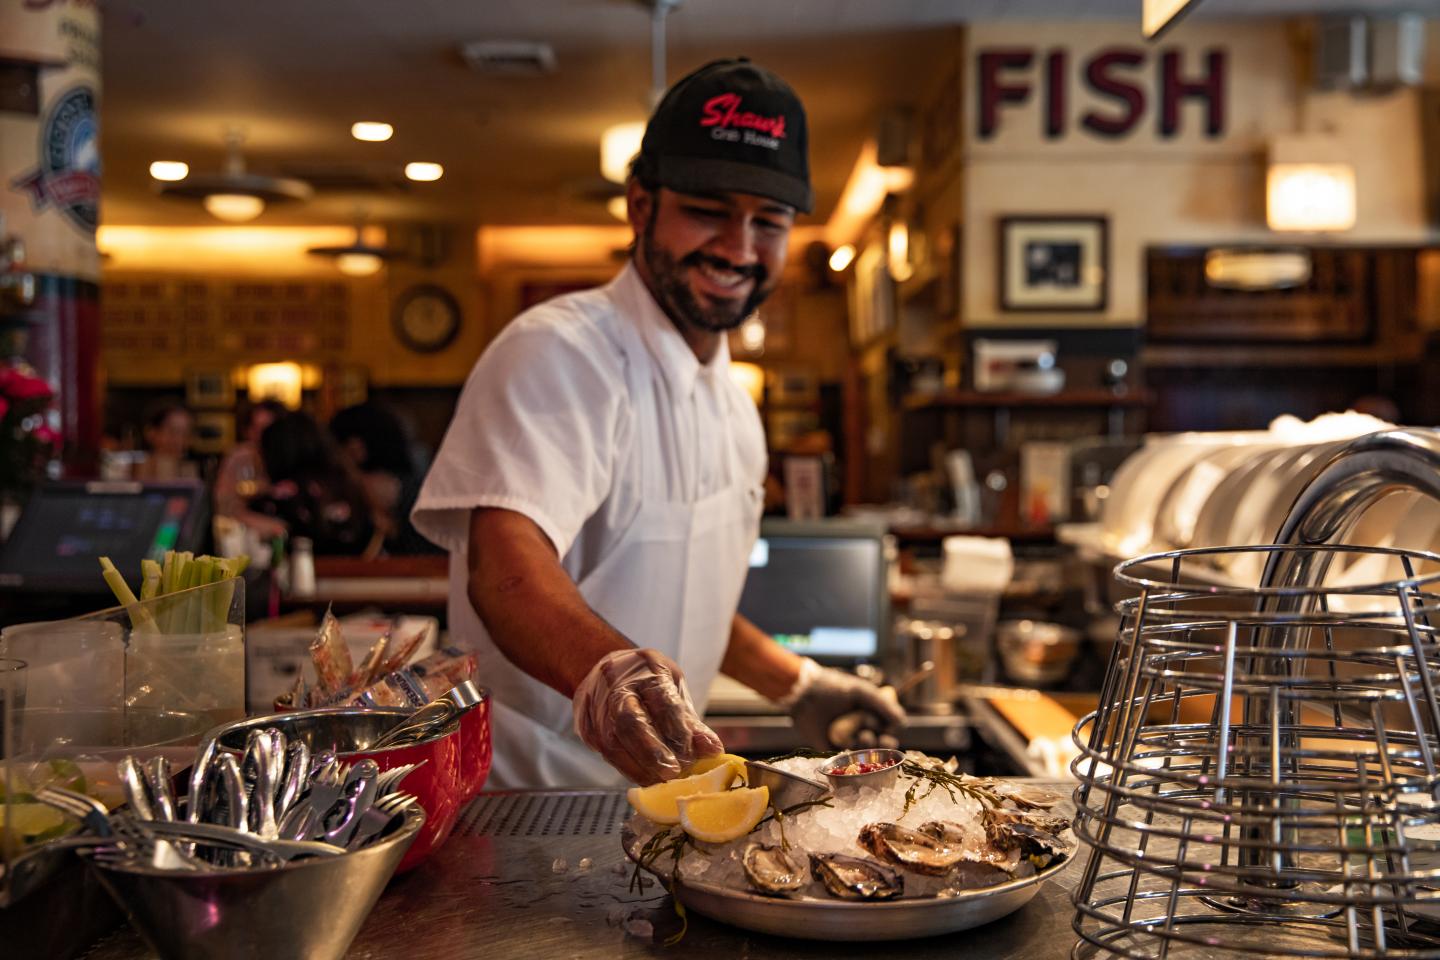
{"x":832,"y":709}
{"x":633,"y":709}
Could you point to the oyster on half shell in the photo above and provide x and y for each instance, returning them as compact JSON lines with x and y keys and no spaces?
{"x":855,"y":878}
{"x":911,"y":849}
{"x":773,"y":871}
{"x":1035,"y":837}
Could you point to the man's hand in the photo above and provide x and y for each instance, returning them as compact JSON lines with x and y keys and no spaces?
{"x":824,"y":695}
{"x":633,"y":709}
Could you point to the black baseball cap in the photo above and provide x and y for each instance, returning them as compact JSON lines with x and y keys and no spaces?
{"x":731,"y":126}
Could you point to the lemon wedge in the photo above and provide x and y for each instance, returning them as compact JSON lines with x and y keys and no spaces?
{"x":706,"y":764}
{"x":657,"y":801}
{"x":722,"y":817}
{"x":30,"y":819}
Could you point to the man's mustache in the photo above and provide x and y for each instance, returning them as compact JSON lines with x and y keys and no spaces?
{"x":697,"y":258}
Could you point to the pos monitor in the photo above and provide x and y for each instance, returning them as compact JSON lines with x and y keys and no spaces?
{"x":67,"y":526}
{"x":820,"y":588}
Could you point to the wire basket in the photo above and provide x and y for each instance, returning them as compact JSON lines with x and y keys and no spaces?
{"x":1260,"y":775}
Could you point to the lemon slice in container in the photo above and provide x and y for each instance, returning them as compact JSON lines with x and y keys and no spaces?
{"x":722,"y":817}
{"x":706,"y":764}
{"x":657,"y":802}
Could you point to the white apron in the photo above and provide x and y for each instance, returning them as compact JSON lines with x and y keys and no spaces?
{"x":671,"y":582}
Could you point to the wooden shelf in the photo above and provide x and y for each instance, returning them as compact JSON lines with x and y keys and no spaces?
{"x":1065,"y":398}
{"x":1266,"y":355}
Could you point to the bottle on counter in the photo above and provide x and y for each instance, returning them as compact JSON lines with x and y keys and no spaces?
{"x":302,"y":567}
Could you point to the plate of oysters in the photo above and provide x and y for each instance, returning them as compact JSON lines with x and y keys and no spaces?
{"x":862,"y":845}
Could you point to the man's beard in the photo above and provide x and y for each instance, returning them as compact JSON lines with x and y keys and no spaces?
{"x":680,"y":302}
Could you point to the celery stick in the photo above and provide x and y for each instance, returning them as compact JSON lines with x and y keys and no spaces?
{"x":149,"y":579}
{"x":204,"y":574}
{"x":139,"y":616}
{"x":167,"y":573}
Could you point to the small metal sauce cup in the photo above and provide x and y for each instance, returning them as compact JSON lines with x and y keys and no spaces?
{"x":786,"y":789}
{"x":884,"y":777}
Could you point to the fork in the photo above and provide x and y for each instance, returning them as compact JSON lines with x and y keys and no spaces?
{"x":378,"y":817}
{"x":389,"y":780}
{"x":86,"y":809}
{"x":302,"y":821}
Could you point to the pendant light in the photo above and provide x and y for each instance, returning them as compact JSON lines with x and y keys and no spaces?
{"x":234,"y":195}
{"x":359,"y":258}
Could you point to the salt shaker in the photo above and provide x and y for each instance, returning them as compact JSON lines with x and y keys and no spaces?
{"x":302,"y":567}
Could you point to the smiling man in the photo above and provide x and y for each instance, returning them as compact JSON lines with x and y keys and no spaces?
{"x":600,"y":486}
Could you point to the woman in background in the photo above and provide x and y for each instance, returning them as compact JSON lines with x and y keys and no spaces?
{"x":315,"y":491}
{"x":167,"y":430}
{"x":242,"y":473}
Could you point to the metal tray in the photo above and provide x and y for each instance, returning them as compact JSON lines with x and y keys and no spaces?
{"x":812,"y":918}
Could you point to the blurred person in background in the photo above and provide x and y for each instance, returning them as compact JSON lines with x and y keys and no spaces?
{"x":167,"y":429}
{"x":379,"y":443}
{"x":242,"y":473}
{"x":315,"y":491}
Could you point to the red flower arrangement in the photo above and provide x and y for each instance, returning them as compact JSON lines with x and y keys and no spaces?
{"x":27,"y":442}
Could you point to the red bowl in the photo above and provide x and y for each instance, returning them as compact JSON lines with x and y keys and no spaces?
{"x":475,"y":747}
{"x":441,"y":783}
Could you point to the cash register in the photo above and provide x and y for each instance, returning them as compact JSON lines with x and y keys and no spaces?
{"x":820,"y":589}
{"x":51,"y":559}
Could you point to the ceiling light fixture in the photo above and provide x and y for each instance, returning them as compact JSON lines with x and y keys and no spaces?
{"x":358,"y":258}
{"x":842,"y":257}
{"x":233,"y":207}
{"x":234,"y":195}
{"x":169,"y":170}
{"x":424,"y":171}
{"x":864,"y":194}
{"x":371,"y":131}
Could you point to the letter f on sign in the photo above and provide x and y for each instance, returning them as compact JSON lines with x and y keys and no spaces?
{"x":993,"y":92}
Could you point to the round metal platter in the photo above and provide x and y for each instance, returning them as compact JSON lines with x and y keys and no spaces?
{"x":814,"y":918}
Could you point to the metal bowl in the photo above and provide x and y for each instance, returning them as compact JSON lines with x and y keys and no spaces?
{"x":786,"y":789}
{"x":438,"y":783}
{"x":1036,"y":652}
{"x":306,"y":910}
{"x":884,"y":777}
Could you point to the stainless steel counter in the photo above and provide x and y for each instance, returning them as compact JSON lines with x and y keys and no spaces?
{"x":510,"y":884}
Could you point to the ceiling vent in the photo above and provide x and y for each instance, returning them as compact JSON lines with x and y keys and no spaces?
{"x":1369,"y":54}
{"x":509,"y":58}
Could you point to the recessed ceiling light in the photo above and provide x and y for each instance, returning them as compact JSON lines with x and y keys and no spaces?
{"x":419,"y":170}
{"x":372,"y":130}
{"x":169,"y":170}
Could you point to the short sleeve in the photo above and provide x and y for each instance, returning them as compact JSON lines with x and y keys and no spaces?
{"x":534,"y":431}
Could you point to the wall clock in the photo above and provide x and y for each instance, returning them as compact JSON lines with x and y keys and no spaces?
{"x":426,"y":318}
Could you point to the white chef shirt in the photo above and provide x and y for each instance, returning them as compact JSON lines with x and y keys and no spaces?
{"x":545,"y":427}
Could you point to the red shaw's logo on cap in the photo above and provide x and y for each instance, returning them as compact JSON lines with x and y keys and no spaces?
{"x":724,"y":114}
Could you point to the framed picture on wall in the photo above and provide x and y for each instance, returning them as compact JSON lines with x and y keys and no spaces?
{"x":209,"y":388}
{"x":1054,"y":264}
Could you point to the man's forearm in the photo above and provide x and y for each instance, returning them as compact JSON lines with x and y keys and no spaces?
{"x":759,"y":662}
{"x":531,"y":608}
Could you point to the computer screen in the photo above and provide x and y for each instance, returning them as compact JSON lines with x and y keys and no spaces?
{"x":66,"y":527}
{"x":820,"y":589}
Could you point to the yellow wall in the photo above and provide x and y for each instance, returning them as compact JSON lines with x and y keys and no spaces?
{"x":1187,"y":190}
{"x":220,"y":257}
